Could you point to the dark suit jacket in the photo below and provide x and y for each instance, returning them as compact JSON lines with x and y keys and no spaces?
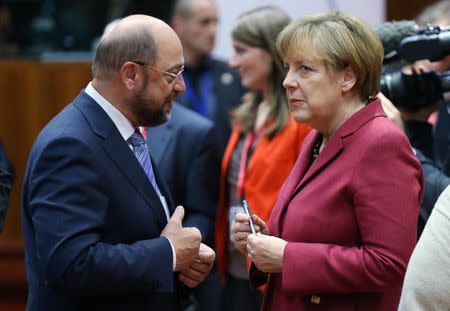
{"x":349,"y":219}
{"x":442,"y":138}
{"x":433,"y":151}
{"x":227,"y":94}
{"x":6,"y":182}
{"x":92,"y":220}
{"x":186,"y":152}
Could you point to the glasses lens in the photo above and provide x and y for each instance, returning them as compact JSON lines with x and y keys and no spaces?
{"x":175,"y":76}
{"x":170,"y":79}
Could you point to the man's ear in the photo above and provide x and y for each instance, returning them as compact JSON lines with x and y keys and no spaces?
{"x":129,"y":74}
{"x":348,"y":79}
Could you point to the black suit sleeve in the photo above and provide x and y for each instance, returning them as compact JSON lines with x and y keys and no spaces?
{"x":435,"y":182}
{"x":202,"y":185}
{"x":6,"y":182}
{"x":420,"y":135}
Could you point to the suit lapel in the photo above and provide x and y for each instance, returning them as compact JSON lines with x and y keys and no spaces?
{"x":164,"y":190}
{"x":303,"y":172}
{"x":331,"y":150}
{"x":120,"y":153}
{"x":297,"y":173}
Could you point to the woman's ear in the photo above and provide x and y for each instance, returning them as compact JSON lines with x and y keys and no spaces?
{"x":348,"y":79}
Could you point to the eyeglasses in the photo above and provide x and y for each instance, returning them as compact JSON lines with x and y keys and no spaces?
{"x":171,"y":77}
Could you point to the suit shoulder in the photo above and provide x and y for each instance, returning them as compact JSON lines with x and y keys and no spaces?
{"x":63,"y":122}
{"x":221,"y":66}
{"x":382,"y":127}
{"x":68,"y":125}
{"x":185,"y":117}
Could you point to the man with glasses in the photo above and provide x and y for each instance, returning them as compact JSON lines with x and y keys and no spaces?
{"x":101,"y":230}
{"x":170,"y":76}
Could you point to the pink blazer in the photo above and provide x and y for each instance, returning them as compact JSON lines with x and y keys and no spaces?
{"x":350,"y":220}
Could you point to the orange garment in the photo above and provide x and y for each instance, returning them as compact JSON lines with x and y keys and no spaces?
{"x":270,"y":164}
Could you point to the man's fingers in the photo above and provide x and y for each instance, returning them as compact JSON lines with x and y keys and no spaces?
{"x":188,"y":281}
{"x":195,"y":273}
{"x":178,"y":215}
{"x":206,"y":254}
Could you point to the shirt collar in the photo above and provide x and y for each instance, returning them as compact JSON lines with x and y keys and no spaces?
{"x":124,"y":125}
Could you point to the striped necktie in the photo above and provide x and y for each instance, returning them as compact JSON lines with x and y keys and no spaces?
{"x":140,"y":150}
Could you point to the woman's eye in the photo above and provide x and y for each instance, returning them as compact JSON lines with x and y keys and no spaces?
{"x":304,"y":68}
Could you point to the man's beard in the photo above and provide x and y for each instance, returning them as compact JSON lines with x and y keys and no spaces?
{"x":145,"y":116}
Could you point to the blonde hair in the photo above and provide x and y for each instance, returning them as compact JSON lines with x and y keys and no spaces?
{"x":341,"y":40}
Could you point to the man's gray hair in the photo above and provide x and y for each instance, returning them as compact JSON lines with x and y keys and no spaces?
{"x":116,"y":49}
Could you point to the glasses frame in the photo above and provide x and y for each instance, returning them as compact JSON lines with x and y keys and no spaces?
{"x":174,"y":76}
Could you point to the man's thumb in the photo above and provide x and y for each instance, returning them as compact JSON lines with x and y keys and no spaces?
{"x":178,"y":215}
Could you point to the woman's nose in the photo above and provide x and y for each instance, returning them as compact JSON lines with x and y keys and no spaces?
{"x":289,"y":81}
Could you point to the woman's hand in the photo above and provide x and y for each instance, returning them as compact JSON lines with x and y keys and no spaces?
{"x":266,"y":252}
{"x":241,"y":230}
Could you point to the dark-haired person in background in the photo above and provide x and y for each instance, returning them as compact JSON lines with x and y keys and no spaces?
{"x":212,"y":88}
{"x":431,"y":141}
{"x":6,"y":182}
{"x":187,"y":155}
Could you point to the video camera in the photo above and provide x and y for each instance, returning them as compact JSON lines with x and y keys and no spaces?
{"x":416,"y":90}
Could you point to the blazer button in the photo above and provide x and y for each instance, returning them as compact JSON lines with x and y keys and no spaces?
{"x":315,"y":299}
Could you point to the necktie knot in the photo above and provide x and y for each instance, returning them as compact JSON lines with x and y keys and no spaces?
{"x":137,"y":139}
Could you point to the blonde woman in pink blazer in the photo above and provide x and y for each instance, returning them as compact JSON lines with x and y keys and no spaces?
{"x":344,"y":224}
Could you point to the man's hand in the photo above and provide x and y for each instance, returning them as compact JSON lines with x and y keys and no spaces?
{"x":391,"y":111}
{"x":241,"y":230}
{"x":185,"y":241}
{"x":199,"y":268}
{"x":266,"y":252}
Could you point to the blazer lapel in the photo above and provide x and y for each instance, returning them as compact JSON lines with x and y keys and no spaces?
{"x":331,"y":150}
{"x":126,"y":161}
{"x":335,"y":143}
{"x":120,"y":153}
{"x":302,"y":173}
{"x":164,"y":190}
{"x":292,"y":182}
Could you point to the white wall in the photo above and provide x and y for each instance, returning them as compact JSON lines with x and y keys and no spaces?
{"x":371,"y":11}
